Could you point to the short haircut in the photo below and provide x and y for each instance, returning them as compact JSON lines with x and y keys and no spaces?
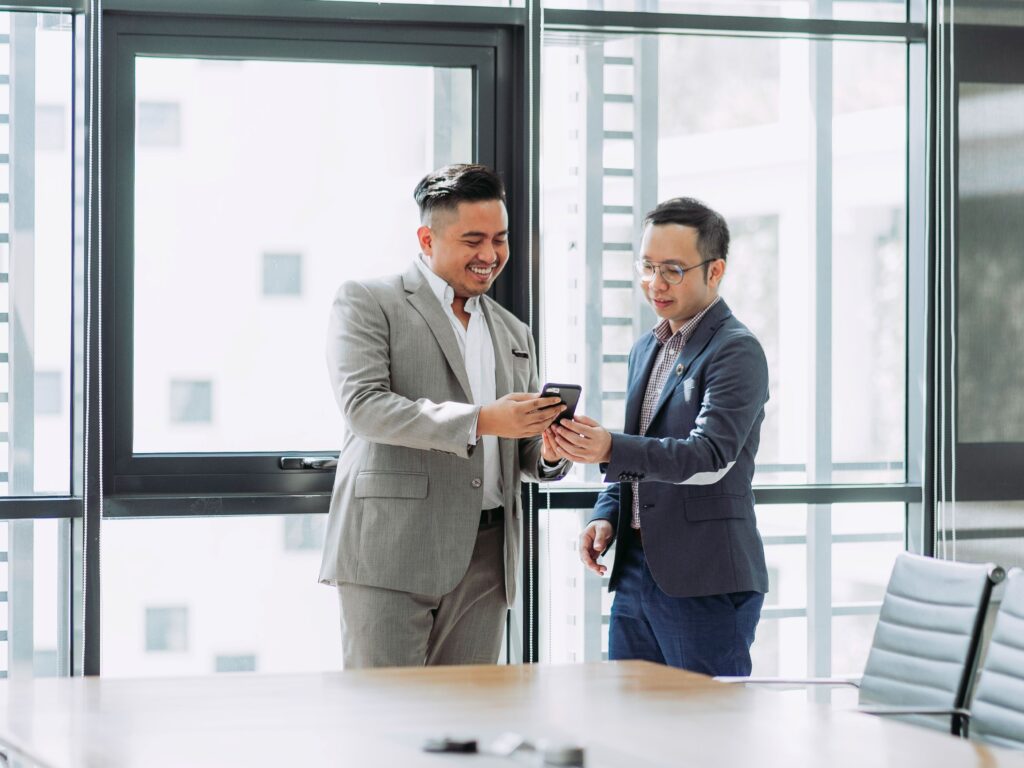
{"x":445,"y":188}
{"x":712,"y":231}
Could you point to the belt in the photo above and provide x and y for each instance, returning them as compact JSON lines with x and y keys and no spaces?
{"x":491,"y":516}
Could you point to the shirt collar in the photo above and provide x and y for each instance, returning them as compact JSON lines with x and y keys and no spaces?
{"x":444,"y":292}
{"x":663,"y":330}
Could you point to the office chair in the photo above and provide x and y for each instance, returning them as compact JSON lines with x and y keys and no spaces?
{"x":997,"y":712}
{"x":996,"y":715}
{"x":924,"y":653}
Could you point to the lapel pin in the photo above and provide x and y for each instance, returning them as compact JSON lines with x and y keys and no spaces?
{"x":679,"y":369}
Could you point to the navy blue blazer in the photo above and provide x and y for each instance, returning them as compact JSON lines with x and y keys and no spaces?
{"x":696,"y":462}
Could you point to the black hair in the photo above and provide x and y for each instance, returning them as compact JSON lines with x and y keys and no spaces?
{"x":446,"y":187}
{"x":712,"y":231}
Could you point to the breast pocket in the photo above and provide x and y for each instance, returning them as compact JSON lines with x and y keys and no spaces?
{"x":391,"y":485}
{"x":520,"y":373}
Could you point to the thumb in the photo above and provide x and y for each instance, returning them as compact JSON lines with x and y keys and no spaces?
{"x":586,"y":421}
{"x":600,"y":538}
{"x":519,"y":396}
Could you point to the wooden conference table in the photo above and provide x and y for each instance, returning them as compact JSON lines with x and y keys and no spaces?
{"x":631,"y":714}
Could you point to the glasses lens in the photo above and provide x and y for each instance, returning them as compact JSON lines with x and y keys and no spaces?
{"x":645,"y":270}
{"x":673,"y":274}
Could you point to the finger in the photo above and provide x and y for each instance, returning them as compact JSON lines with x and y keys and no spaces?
{"x":554,"y":413}
{"x":540,"y":403}
{"x":538,"y":420}
{"x":585,"y":553}
{"x":573,"y":451}
{"x":565,"y":446}
{"x":582,"y":429}
{"x":574,"y":455}
{"x":570,"y":437}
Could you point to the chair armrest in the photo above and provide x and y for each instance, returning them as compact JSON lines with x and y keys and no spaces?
{"x":828,"y":681}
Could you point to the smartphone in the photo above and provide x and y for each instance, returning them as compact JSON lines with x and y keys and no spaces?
{"x":569,"y":393}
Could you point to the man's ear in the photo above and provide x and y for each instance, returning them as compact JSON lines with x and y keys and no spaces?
{"x":426,"y":237}
{"x":717,"y":271}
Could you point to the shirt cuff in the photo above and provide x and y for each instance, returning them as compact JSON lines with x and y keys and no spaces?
{"x":546,"y":469}
{"x":472,"y":438}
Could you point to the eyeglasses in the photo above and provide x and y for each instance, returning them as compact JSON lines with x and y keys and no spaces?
{"x":672,"y":274}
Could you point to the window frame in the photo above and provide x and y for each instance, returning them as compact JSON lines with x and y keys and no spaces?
{"x":819,"y":497}
{"x":251,"y":483}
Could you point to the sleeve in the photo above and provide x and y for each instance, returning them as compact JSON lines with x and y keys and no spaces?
{"x":359,"y":364}
{"x":735,"y":391}
{"x":607,"y":506}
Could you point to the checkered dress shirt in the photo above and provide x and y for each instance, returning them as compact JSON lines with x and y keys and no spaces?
{"x":671,"y":346}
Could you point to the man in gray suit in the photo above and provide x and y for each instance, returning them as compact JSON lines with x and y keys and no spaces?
{"x":432,"y":377}
{"x":689,"y":573}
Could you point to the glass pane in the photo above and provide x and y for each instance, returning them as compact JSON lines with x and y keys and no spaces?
{"x":247,"y":601}
{"x":621,"y":132}
{"x":990,"y":230}
{"x":34,"y":600}
{"x":35,"y":253}
{"x":860,"y":10}
{"x":575,"y":604}
{"x":780,"y":648}
{"x":860,"y":570}
{"x":851,"y":642}
{"x":253,"y":195}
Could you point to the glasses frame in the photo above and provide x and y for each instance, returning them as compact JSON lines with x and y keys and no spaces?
{"x":664,"y":270}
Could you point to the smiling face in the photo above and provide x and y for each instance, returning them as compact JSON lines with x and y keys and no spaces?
{"x":677,"y":244}
{"x":468,"y":246}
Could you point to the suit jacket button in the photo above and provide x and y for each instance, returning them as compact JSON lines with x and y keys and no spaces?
{"x":477,"y":482}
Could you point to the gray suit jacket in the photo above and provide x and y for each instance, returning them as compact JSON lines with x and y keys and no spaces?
{"x":695,"y":464}
{"x":408,"y":491}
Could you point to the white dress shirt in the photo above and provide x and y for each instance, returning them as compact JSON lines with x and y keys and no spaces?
{"x":478,"y":354}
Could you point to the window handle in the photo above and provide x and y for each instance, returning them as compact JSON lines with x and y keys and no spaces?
{"x":308,"y":462}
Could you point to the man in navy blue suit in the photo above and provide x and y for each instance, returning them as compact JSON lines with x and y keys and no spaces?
{"x":689,"y":573}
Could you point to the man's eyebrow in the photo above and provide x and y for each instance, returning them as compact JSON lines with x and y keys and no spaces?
{"x":468,"y":235}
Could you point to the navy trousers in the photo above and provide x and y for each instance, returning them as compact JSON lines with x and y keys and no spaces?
{"x":711,"y":634}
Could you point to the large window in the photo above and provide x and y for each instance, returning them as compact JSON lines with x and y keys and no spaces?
{"x":261,"y":173}
{"x":37,"y":242}
{"x":803,"y":146}
{"x":253,"y":161}
{"x":215,"y":594}
{"x":817,"y":220}
{"x":256,"y":173}
{"x":259,"y":166}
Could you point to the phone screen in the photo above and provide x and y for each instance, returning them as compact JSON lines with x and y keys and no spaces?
{"x":569,"y":393}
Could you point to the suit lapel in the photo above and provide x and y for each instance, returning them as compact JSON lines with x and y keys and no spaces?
{"x":425,"y":302}
{"x":646,"y":354}
{"x":709,"y":324}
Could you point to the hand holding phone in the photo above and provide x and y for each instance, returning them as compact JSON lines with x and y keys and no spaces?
{"x":568,"y":393}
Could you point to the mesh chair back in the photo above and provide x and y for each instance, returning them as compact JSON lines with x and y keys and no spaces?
{"x":997,"y":712}
{"x":925,"y":646}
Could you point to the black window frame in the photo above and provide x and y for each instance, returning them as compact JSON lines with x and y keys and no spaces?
{"x":184,"y":484}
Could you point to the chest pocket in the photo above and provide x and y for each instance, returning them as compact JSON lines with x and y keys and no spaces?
{"x":520,"y":373}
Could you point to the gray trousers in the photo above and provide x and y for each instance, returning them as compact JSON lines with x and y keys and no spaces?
{"x":387,"y":628}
